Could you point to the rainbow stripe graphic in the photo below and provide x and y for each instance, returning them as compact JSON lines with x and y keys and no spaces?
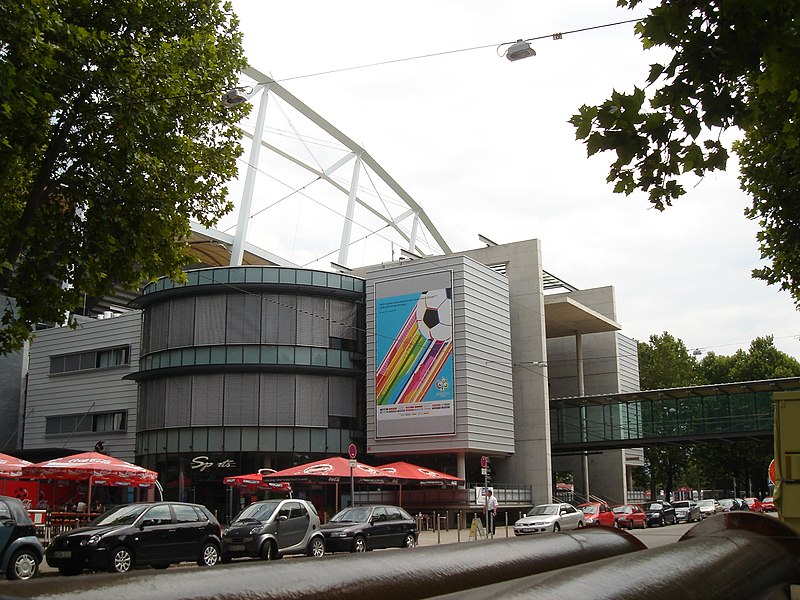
{"x":409,"y":371}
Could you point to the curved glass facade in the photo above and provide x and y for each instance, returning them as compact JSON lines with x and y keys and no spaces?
{"x":248,"y":367}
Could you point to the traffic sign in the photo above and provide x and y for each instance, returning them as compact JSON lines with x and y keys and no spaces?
{"x":772,"y":472}
{"x":484,"y":461}
{"x":352,"y":450}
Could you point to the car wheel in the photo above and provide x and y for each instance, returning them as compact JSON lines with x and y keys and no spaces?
{"x":359,"y":544}
{"x":268,"y":550}
{"x":161,"y":566}
{"x":68,"y":571}
{"x":580,"y":525}
{"x":556,"y":527}
{"x":121,"y":560}
{"x":630,"y":525}
{"x":410,"y":541}
{"x":663,"y":522}
{"x":209,"y":556}
{"x":23,"y":565}
{"x":316,"y":547}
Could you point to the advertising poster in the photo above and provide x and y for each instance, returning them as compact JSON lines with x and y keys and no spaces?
{"x":414,"y":386}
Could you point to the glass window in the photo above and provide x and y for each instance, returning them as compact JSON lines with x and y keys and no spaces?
{"x":334,"y":280}
{"x":220,"y":275}
{"x":88,"y":360}
{"x":269,"y":355}
{"x":218,"y":355}
{"x":236,"y":275}
{"x":302,"y":356}
{"x":187,"y":356}
{"x":287,"y":276}
{"x":185,"y":514}
{"x":192,"y":278}
{"x":252,"y":355}
{"x":234,"y":355}
{"x":270,"y":275}
{"x":319,"y":357}
{"x":159,"y":515}
{"x":57,"y":364}
{"x":286,"y":355}
{"x":320,"y":279}
{"x":202,"y":356}
{"x":303,"y":277}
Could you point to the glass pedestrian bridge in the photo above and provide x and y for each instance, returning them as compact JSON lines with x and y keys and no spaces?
{"x":666,"y":417}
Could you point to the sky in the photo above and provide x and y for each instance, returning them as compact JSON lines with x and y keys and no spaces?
{"x":483,"y":144}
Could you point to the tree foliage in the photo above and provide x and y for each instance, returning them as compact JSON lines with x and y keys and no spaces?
{"x":733,"y":66}
{"x":112,"y":137}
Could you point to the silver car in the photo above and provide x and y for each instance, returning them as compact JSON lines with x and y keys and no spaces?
{"x":274,"y":528}
{"x":549,"y":517}
{"x":686,"y":510}
{"x":709,"y":507}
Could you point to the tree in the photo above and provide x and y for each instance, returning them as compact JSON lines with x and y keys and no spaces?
{"x":664,"y":362}
{"x":734,"y":66}
{"x":112,"y":137}
{"x":761,"y":361}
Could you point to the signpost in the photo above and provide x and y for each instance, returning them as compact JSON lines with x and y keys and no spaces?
{"x":352,"y":451}
{"x":485,"y":472}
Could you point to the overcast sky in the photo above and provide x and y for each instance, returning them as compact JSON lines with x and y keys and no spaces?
{"x":484,"y":146}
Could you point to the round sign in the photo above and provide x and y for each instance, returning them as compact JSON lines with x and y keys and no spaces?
{"x":772,"y":472}
{"x":352,"y":450}
{"x":484,"y":461}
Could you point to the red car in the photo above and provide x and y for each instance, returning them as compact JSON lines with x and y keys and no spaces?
{"x":597,"y":513}
{"x":754,"y":504}
{"x":768,"y":504}
{"x":629,"y":516}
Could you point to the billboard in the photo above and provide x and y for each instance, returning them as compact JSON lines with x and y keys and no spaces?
{"x":414,"y":383}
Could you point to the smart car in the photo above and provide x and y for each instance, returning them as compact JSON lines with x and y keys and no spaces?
{"x":144,"y":533}
{"x":362,"y":528}
{"x":21,"y":551}
{"x":273,"y":528}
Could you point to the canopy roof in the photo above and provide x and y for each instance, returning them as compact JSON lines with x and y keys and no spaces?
{"x":334,"y":470}
{"x":98,"y":468}
{"x":10,"y":466}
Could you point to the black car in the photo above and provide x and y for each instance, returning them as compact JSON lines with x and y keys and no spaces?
{"x":659,"y":513}
{"x":145,"y":533}
{"x":274,"y":528}
{"x":20,"y":550}
{"x":362,"y":528}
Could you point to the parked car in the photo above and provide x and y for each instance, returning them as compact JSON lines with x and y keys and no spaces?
{"x":754,"y":504}
{"x":21,"y":551}
{"x":274,"y":528}
{"x":629,"y":516}
{"x":144,"y":533}
{"x":362,"y":528}
{"x":741,"y":504}
{"x":728,"y":504}
{"x":686,"y":510}
{"x":549,"y":517}
{"x":768,"y":504}
{"x":709,"y":507}
{"x":597,"y":513}
{"x":659,"y":513}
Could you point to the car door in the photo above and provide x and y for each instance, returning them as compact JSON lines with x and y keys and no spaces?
{"x":7,"y":525}
{"x":155,"y":539}
{"x":570,"y":516}
{"x":291,"y":524}
{"x":380,"y":528}
{"x":396,"y":527}
{"x":190,"y":531}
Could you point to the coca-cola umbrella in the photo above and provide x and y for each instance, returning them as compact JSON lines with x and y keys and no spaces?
{"x":411,"y":474}
{"x":255,"y":481}
{"x":11,"y":468}
{"x":96,"y":468}
{"x":335,"y":469}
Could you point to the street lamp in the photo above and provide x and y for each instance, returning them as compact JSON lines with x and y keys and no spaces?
{"x":518,"y":50}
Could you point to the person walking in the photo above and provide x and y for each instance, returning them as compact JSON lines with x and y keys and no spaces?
{"x":491,"y":511}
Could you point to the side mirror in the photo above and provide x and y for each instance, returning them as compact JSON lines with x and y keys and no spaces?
{"x":281,"y":518}
{"x":147,"y":523}
{"x":9,"y":523}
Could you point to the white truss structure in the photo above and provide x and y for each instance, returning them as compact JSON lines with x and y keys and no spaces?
{"x":379,"y":206}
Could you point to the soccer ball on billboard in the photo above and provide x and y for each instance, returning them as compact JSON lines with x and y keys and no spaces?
{"x":434,"y":315}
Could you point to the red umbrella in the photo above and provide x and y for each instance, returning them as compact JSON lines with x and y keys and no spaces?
{"x":333,"y":470}
{"x":255,"y":481}
{"x":415,"y":474}
{"x":95,"y":468}
{"x":10,"y":466}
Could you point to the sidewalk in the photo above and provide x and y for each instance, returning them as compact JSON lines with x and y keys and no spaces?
{"x":432,"y":538}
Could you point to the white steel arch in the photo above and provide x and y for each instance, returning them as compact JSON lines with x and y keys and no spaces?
{"x":403,"y":215}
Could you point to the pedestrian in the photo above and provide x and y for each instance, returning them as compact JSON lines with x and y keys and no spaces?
{"x":491,"y":511}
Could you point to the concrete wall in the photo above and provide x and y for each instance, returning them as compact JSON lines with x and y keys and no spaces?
{"x":83,"y":392}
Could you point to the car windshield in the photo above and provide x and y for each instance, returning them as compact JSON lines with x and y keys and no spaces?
{"x":258,"y":511}
{"x":359,"y":514}
{"x":653,"y":506}
{"x":590,"y":510}
{"x":706,"y":503}
{"x":543,"y":509}
{"x":124,"y":514}
{"x":726,"y":502}
{"x":622,"y":510}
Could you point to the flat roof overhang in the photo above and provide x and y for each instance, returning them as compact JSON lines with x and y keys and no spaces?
{"x":564,"y":316}
{"x":213,"y":248}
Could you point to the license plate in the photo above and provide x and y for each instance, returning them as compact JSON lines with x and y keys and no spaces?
{"x":238,"y":548}
{"x":62,"y":554}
